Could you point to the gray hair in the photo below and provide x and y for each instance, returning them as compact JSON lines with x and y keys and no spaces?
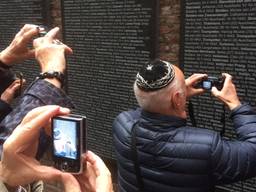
{"x":159,"y":100}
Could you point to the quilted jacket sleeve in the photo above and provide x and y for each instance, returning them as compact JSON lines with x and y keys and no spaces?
{"x":236,"y":160}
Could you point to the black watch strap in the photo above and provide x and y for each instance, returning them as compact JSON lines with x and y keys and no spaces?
{"x":53,"y":74}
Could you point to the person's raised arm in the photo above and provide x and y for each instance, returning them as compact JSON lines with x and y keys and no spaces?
{"x":19,"y":50}
{"x":50,"y":54}
{"x":234,"y":160}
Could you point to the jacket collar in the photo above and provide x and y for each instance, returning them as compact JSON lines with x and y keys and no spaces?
{"x":161,"y":121}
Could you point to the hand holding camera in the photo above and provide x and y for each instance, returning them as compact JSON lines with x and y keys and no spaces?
{"x":51,"y":56}
{"x":18,"y":165}
{"x":191,"y":85}
{"x":227,"y":94}
{"x":19,"y":49}
{"x":221,"y":87}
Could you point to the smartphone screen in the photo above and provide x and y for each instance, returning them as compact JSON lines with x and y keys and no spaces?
{"x":69,"y":142}
{"x":65,"y":138}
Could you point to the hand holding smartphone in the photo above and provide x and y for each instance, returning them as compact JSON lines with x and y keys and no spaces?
{"x":69,"y":142}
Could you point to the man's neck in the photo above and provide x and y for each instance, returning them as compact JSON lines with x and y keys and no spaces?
{"x":180,"y":114}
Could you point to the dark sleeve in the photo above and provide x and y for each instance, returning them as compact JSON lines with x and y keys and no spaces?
{"x":236,"y":160}
{"x":7,"y":76}
{"x":39,"y":93}
{"x":5,"y":109}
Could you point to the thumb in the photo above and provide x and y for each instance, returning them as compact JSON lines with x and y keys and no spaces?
{"x":68,"y":50}
{"x":70,"y":183}
{"x":15,"y":87}
{"x":50,"y":174}
{"x":199,"y":91}
{"x":215,"y":92}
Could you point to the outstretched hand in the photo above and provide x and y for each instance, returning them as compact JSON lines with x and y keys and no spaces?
{"x":18,"y":164}
{"x":50,"y":52}
{"x":227,"y":94}
{"x":191,"y":83}
{"x":19,"y":49}
{"x":95,"y":178}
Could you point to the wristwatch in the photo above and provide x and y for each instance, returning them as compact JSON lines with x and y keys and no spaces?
{"x":53,"y":74}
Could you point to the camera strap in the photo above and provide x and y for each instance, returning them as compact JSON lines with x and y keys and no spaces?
{"x":223,"y":120}
{"x":193,"y":120}
{"x":135,"y":159}
{"x":191,"y":113}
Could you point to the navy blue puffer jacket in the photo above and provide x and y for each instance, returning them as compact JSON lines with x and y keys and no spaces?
{"x":176,"y":158}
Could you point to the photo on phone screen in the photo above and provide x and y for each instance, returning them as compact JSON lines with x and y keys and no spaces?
{"x":65,"y":139}
{"x":69,"y":142}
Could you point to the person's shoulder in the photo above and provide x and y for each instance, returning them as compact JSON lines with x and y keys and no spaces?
{"x":198,"y":135}
{"x":200,"y":130}
{"x":131,"y":114}
{"x":127,"y":118}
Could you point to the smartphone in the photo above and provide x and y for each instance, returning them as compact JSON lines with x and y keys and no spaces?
{"x":69,"y":141}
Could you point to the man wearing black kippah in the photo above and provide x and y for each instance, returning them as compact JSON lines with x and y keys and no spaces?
{"x":157,"y":151}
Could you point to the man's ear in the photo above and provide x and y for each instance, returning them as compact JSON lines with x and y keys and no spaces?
{"x":176,"y":100}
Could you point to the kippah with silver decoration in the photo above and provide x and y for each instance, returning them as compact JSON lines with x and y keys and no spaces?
{"x":159,"y":83}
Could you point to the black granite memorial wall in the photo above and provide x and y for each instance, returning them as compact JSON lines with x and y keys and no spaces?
{"x":111,"y":39}
{"x":13,"y":15}
{"x":220,"y":36}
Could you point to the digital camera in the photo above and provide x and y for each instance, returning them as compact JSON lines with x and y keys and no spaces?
{"x":42,"y":30}
{"x":210,"y":82}
{"x":69,"y":141}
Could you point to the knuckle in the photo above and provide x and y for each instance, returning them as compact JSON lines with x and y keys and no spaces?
{"x":25,"y":26}
{"x":17,"y":35}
